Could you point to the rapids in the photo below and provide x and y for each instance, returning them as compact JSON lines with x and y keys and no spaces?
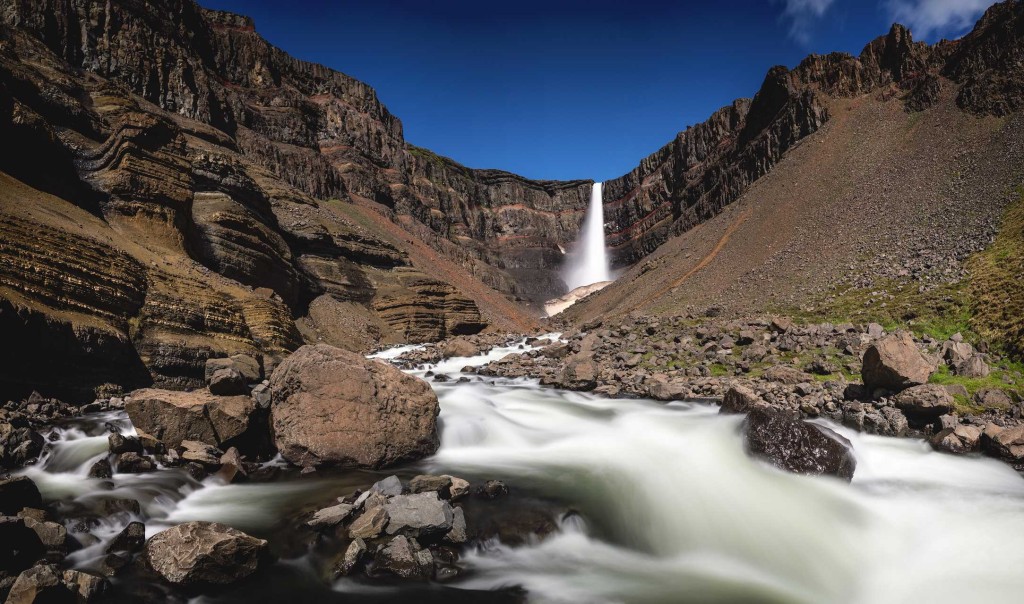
{"x":670,"y":507}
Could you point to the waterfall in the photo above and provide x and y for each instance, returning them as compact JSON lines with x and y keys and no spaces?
{"x":588,"y":262}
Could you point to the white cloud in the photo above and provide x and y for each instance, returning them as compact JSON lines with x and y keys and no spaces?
{"x":927,"y":18}
{"x":802,"y":15}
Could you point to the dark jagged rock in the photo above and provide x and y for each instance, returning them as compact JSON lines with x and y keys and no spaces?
{"x":797,"y":446}
{"x":17,"y":493}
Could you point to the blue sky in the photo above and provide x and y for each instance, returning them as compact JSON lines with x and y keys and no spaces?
{"x":567,"y":89}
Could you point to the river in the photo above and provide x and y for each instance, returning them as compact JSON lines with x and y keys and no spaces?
{"x":670,"y":508}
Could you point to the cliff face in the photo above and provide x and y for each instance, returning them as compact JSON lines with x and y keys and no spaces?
{"x":329,"y":136}
{"x":141,"y":237}
{"x":710,"y":165}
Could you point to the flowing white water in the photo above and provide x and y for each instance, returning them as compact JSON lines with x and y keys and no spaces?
{"x":588,"y":261}
{"x":671,"y":508}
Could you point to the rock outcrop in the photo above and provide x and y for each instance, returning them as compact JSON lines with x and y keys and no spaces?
{"x":334,"y":407}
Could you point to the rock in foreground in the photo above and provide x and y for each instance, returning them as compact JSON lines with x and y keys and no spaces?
{"x":333,"y":407}
{"x":203,"y":553}
{"x":173,"y":417}
{"x":797,"y":446}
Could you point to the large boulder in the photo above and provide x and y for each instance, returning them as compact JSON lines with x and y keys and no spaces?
{"x":925,"y":402}
{"x":894,"y":363}
{"x":173,"y":417}
{"x":203,"y":553}
{"x":797,"y":446}
{"x":334,"y":407}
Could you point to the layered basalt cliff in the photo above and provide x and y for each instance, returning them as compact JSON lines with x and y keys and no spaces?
{"x":710,"y":165}
{"x":137,"y":242}
{"x":319,"y":130}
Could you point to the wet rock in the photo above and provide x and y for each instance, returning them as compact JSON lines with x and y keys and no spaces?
{"x":45,"y":584}
{"x":459,"y":487}
{"x":109,"y":507}
{"x":17,"y":493}
{"x":133,"y":463}
{"x":201,"y":453}
{"x":173,"y":417}
{"x":959,"y":440}
{"x":426,"y":483}
{"x":403,"y":558}
{"x":492,"y":489}
{"x":458,"y":533}
{"x":52,"y":535}
{"x":333,"y":407}
{"x":203,"y":553}
{"x":354,"y":554}
{"x":232,"y":468}
{"x":421,"y":515}
{"x":227,"y":382}
{"x":121,"y":443}
{"x":1005,"y":443}
{"x":20,"y":546}
{"x":389,"y":487}
{"x":370,"y":524}
{"x":19,"y":445}
{"x":740,"y":399}
{"x":330,"y":516}
{"x":797,"y":446}
{"x":894,"y":363}
{"x":925,"y":402}
{"x":131,"y":539}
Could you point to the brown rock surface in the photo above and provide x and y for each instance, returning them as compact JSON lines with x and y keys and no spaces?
{"x":203,"y":553}
{"x":894,"y":363}
{"x":334,"y":407}
{"x":173,"y":417}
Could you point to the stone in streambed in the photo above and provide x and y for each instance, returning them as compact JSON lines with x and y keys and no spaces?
{"x":370,"y":524}
{"x":354,"y":554}
{"x":425,"y":483}
{"x":330,"y":516}
{"x":421,"y":515}
{"x":203,"y":553}
{"x":119,"y":443}
{"x":131,"y":539}
{"x":17,"y":493}
{"x":45,"y":583}
{"x":333,"y":407}
{"x":405,"y":559}
{"x":797,"y":446}
{"x":173,"y":417}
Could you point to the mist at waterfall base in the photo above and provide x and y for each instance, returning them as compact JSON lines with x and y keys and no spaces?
{"x":670,"y":508}
{"x":587,"y":262}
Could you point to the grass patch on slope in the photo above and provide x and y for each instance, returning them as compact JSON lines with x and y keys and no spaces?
{"x":997,"y":283}
{"x":988,"y":305}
